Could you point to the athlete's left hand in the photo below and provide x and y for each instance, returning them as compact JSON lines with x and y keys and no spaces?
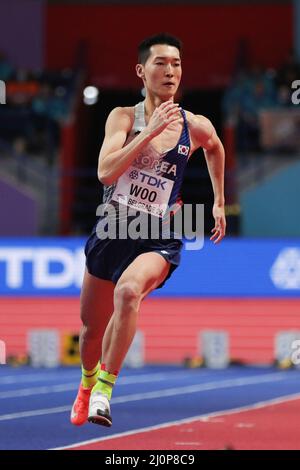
{"x":220,"y":223}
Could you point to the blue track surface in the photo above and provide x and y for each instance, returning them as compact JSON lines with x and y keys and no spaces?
{"x":35,"y":403}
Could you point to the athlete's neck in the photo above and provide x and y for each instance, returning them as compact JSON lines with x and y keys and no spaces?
{"x":152,"y":102}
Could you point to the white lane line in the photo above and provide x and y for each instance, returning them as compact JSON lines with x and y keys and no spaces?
{"x":221,"y":384}
{"x":27,"y":392}
{"x":204,"y":417}
{"x":134,"y":379}
{"x":15,"y":379}
{"x":71,"y":375}
{"x":215,"y":385}
{"x":29,"y":414}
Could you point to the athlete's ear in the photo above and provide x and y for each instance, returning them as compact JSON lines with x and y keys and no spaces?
{"x":140,"y":71}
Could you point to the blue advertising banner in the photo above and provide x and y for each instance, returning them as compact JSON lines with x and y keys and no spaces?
{"x":41,"y":266}
{"x":234,"y":268}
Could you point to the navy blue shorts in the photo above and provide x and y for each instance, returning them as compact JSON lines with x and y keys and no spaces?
{"x":107,"y":259}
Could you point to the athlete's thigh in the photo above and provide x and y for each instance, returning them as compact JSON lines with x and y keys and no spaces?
{"x":147,"y":271}
{"x":96,"y":301}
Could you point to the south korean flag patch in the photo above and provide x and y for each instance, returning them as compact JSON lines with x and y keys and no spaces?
{"x":183,"y":150}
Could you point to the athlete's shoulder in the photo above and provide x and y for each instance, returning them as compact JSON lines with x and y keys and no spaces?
{"x":122,"y":112}
{"x":200,"y":127}
{"x":121,"y":116}
{"x":197,"y":121}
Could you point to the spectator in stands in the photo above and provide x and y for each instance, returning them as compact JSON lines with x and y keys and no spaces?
{"x":283,"y":98}
{"x":49,"y":109}
{"x":6,"y":69}
{"x":233,"y":96}
{"x":289,"y":71}
{"x":37,"y":102}
{"x":250,"y":92}
{"x":258,"y":97}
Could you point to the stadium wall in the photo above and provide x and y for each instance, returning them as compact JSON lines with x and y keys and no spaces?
{"x":247,"y":287}
{"x":217,"y":39}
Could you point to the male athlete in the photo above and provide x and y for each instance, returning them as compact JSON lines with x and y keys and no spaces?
{"x":153,"y":139}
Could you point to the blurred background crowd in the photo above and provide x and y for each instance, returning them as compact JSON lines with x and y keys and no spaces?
{"x":52,"y":124}
{"x":65,"y":64}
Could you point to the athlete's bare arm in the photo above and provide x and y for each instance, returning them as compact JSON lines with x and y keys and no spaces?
{"x":204,"y":135}
{"x":114,"y":158}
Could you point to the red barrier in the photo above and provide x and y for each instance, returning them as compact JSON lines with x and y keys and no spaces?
{"x":171,"y":326}
{"x":210,"y":33}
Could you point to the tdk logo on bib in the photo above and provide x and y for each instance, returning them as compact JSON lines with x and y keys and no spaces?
{"x":183,"y":150}
{"x":134,"y":175}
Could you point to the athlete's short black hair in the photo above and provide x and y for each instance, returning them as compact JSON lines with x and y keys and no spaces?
{"x":161,"y":38}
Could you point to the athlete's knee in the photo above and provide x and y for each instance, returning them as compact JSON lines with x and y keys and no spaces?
{"x":127,"y":292}
{"x":91,"y":328}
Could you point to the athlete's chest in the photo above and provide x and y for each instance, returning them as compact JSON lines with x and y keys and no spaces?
{"x":168,"y":138}
{"x":171,"y":136}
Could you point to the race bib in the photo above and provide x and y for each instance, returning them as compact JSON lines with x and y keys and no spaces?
{"x":143,"y":191}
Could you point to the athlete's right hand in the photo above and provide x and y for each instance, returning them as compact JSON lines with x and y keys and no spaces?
{"x":167,"y":113}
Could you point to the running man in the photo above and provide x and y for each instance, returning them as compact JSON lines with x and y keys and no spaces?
{"x":154,"y":138}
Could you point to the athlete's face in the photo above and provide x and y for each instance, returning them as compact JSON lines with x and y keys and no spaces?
{"x":162,"y":71}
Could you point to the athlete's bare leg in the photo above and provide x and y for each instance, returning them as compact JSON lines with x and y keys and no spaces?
{"x":143,"y":275}
{"x":96,"y":305}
